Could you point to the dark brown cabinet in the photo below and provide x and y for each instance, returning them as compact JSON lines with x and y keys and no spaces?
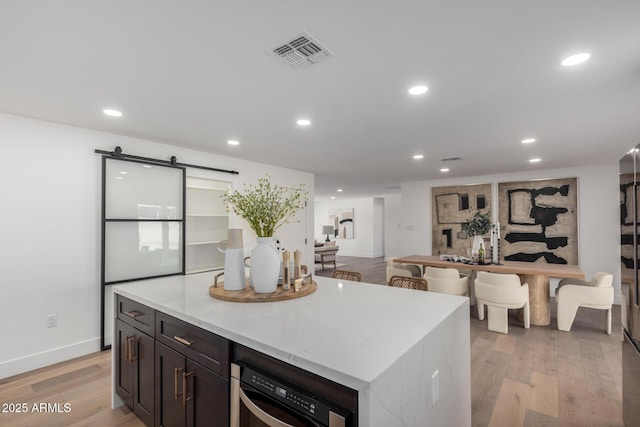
{"x":187,"y":393}
{"x":170,"y":372}
{"x":192,"y":375}
{"x":135,"y":370}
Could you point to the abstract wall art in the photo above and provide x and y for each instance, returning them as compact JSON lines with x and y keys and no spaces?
{"x":539,"y":220}
{"x":451,"y":206}
{"x":342,"y":221}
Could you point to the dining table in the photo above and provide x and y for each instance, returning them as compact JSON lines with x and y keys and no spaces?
{"x":536,"y":274}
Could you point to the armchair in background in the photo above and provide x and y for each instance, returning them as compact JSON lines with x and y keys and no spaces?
{"x":326,"y":253}
{"x":446,"y":281}
{"x":500,"y":292}
{"x":574,"y":293}
{"x":397,"y":269}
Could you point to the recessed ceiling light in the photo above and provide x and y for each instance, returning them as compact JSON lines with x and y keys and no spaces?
{"x":339,"y":190}
{"x":119,"y":177}
{"x":418,"y":156}
{"x":528,"y":140}
{"x":147,"y":166}
{"x":418,"y":90}
{"x":575,"y":59}
{"x":124,"y":172}
{"x":112,"y":113}
{"x":333,"y":197}
{"x":233,"y":142}
{"x":535,"y":160}
{"x":303,"y":122}
{"x":444,"y":170}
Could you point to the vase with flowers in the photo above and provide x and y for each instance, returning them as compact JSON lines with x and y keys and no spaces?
{"x":478,"y":226}
{"x":266,"y":207}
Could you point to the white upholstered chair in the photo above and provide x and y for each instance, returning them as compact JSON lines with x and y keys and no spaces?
{"x":446,"y":281}
{"x":500,"y":292}
{"x":574,"y":293}
{"x":397,"y":269}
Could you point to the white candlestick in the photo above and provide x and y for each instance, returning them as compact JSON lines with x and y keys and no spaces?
{"x":494,"y":248}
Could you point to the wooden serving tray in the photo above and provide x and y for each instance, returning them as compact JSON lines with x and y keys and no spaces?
{"x":249,"y":295}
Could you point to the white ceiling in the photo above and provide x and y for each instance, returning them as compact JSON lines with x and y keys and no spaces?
{"x":197,"y":73}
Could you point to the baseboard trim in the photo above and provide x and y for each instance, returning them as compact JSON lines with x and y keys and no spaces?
{"x":30,"y":362}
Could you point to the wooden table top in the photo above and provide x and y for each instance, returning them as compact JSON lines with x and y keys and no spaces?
{"x":514,"y":267}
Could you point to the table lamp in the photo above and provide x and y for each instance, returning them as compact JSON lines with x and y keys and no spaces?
{"x":327,"y":229}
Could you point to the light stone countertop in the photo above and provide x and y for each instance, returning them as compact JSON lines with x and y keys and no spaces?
{"x":345,"y":331}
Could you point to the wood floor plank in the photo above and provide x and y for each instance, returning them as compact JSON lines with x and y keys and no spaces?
{"x":512,"y":403}
{"x":544,"y":394}
{"x":66,"y":378}
{"x":536,"y":419}
{"x":505,"y":344}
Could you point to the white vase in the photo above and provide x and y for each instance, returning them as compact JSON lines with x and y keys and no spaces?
{"x":234,"y":275}
{"x":265,"y":266}
{"x":477,"y":241}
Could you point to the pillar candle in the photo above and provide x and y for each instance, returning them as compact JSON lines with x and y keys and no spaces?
{"x":286,"y":271}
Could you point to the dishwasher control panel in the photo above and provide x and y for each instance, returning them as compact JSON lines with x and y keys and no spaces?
{"x":287,"y":395}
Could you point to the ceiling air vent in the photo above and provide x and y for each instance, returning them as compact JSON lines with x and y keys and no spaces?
{"x":301,"y":51}
{"x":451,"y":159}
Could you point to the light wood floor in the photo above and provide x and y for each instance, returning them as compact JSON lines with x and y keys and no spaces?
{"x":535,"y":377}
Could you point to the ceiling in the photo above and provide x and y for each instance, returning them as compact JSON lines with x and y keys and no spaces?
{"x":198,"y":73}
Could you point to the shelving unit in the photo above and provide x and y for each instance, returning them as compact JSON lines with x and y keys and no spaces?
{"x":207,"y":224}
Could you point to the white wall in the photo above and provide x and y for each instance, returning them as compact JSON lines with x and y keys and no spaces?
{"x":393,"y":220}
{"x":367,"y":227}
{"x":378,"y":226}
{"x":50,"y":253}
{"x":598,"y":214}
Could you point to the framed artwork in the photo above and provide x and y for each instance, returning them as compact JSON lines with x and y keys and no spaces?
{"x":539,"y":220}
{"x":342,"y":221}
{"x":450,"y":207}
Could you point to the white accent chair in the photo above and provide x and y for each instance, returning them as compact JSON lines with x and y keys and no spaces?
{"x":574,"y":293}
{"x":446,"y":281}
{"x":500,"y":292}
{"x":405,"y":270}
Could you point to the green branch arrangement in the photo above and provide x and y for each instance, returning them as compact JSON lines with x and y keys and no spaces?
{"x":266,"y":207}
{"x":478,"y":225}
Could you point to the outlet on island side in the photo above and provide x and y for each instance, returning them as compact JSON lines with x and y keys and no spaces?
{"x":435,"y":387}
{"x":52,"y":320}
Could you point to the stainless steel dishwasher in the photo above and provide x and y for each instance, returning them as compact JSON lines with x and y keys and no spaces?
{"x":260,"y":399}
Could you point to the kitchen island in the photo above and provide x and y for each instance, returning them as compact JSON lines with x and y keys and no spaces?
{"x":405,"y":352}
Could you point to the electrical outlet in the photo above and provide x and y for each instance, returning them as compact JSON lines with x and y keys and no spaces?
{"x":52,"y":320}
{"x":435,"y":387}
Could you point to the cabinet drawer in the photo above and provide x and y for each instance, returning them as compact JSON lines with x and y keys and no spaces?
{"x":135,"y":314}
{"x":206,"y":348}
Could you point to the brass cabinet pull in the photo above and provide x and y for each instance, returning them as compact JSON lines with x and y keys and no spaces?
{"x":133,"y":353}
{"x":184,"y":341}
{"x":126,"y":349}
{"x":133,"y":314}
{"x":129,"y":345}
{"x":184,"y":388}
{"x":176,"y":371}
